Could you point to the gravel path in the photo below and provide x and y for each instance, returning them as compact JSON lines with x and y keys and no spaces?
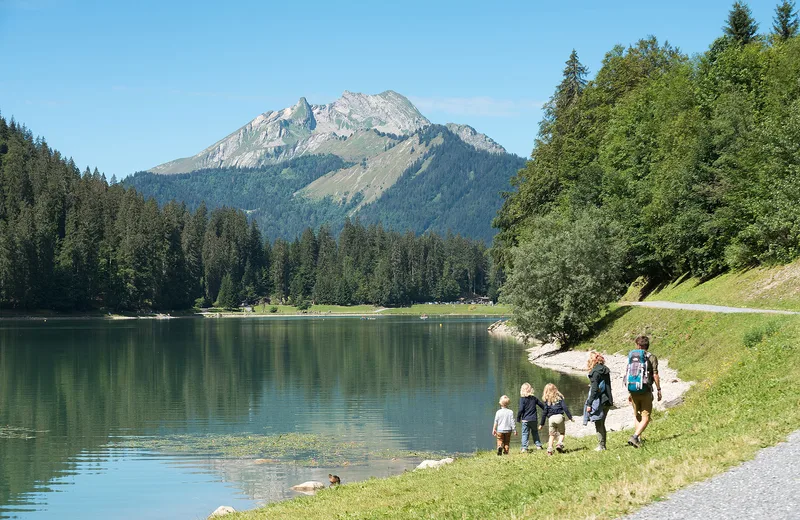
{"x":705,"y":308}
{"x":766,"y":487}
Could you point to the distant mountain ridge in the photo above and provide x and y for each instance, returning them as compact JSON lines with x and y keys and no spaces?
{"x":373,"y":157}
{"x":302,"y":129}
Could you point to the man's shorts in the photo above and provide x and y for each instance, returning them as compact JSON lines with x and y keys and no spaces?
{"x":556,"y":423}
{"x":642,"y":404}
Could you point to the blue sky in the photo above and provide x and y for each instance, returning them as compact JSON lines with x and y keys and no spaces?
{"x":125,"y":86}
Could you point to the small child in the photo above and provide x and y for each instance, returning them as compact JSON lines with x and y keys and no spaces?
{"x":504,"y":424}
{"x":527,"y":416}
{"x":554,"y":411}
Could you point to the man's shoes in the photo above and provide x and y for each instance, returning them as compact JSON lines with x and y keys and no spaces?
{"x":634,"y":441}
{"x":600,"y":448}
{"x":523,"y":450}
{"x":539,"y":447}
{"x":499,"y":451}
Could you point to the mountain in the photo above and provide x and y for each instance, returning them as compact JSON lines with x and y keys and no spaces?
{"x":304,"y":129}
{"x":372,"y":157}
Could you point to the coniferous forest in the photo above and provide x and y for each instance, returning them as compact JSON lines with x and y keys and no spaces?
{"x":74,"y":241}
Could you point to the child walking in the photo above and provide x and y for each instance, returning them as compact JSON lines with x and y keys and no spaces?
{"x":503,"y":425}
{"x":554,"y":410}
{"x":527,"y":416}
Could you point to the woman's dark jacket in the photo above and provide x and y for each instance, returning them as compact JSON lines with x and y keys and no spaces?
{"x":527,"y":408}
{"x":599,"y":373}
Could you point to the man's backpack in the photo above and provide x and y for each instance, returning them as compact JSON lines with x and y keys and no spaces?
{"x":638,"y":376}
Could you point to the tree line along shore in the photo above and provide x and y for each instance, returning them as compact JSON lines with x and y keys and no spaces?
{"x":72,"y":241}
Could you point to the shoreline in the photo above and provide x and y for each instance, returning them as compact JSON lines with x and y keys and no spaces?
{"x":573,"y":362}
{"x":223,"y":314}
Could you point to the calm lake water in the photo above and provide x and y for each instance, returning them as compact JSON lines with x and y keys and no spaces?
{"x":84,"y":404}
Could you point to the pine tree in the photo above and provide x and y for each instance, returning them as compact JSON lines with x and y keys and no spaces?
{"x":573,"y":83}
{"x":228,"y":297}
{"x":785,"y":23}
{"x":741,"y":27}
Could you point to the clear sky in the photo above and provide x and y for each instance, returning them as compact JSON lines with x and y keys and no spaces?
{"x":125,"y":86}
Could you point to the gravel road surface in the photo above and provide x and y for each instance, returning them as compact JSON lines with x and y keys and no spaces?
{"x":765,"y":487}
{"x":705,"y":308}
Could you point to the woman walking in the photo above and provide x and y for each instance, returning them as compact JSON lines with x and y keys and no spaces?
{"x":599,"y":401}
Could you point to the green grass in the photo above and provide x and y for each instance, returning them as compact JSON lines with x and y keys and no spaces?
{"x":318,"y":309}
{"x":747,"y":369}
{"x":444,"y":309}
{"x":761,"y":288}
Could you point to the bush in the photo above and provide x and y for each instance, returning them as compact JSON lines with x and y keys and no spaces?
{"x":273,"y":309}
{"x":564,"y":274}
{"x":303,"y":305}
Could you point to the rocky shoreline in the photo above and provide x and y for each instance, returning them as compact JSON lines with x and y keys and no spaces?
{"x":620,"y":417}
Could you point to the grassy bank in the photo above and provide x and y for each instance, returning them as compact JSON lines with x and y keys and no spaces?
{"x":761,"y":288}
{"x":748,"y":373}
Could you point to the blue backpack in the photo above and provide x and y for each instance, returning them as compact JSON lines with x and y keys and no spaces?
{"x":638,"y":376}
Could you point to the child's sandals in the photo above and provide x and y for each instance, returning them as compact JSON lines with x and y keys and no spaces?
{"x":560,"y":448}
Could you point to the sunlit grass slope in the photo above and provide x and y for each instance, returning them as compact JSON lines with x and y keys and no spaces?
{"x":761,"y":288}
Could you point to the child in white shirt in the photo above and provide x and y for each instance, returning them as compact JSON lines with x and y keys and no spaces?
{"x":504,"y":424}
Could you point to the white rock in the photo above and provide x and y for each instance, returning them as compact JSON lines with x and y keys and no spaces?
{"x":311,"y":485}
{"x":222,"y":511}
{"x":434,"y":463}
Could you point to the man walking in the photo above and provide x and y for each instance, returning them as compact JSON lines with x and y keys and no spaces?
{"x":642,"y":375}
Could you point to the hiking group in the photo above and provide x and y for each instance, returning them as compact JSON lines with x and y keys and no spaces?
{"x":641,"y":377}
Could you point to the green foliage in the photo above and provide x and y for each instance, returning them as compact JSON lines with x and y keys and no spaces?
{"x":228,"y":297}
{"x":565,"y":275}
{"x":786,"y":23}
{"x":741,"y":27}
{"x":70,"y":241}
{"x":697,"y":161}
{"x":273,"y":309}
{"x":753,"y":337}
{"x":267,"y":193}
{"x":303,"y":305}
{"x":457,"y":192}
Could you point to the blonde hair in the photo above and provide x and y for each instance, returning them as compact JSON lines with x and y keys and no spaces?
{"x":595,"y":358}
{"x":551,"y":395}
{"x":526,"y":390}
{"x":504,"y":400}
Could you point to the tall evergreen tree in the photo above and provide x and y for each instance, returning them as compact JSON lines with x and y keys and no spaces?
{"x":228,"y":297}
{"x":785,"y":23}
{"x":741,"y":26}
{"x":573,"y":83}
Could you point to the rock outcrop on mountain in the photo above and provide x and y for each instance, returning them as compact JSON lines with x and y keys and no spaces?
{"x":472,"y":137}
{"x":354,"y":127}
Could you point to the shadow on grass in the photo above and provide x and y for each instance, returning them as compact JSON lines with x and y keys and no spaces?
{"x":606,"y":321}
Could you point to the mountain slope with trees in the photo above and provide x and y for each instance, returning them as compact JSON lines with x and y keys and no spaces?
{"x":695,"y":162}
{"x":73,"y":241}
{"x":450,"y":186}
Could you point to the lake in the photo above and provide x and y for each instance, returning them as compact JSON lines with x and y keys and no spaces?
{"x":173,"y":418}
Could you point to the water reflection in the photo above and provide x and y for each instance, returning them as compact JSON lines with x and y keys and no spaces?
{"x":396,"y":383}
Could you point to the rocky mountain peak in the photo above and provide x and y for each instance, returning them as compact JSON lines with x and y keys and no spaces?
{"x":339,"y":128}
